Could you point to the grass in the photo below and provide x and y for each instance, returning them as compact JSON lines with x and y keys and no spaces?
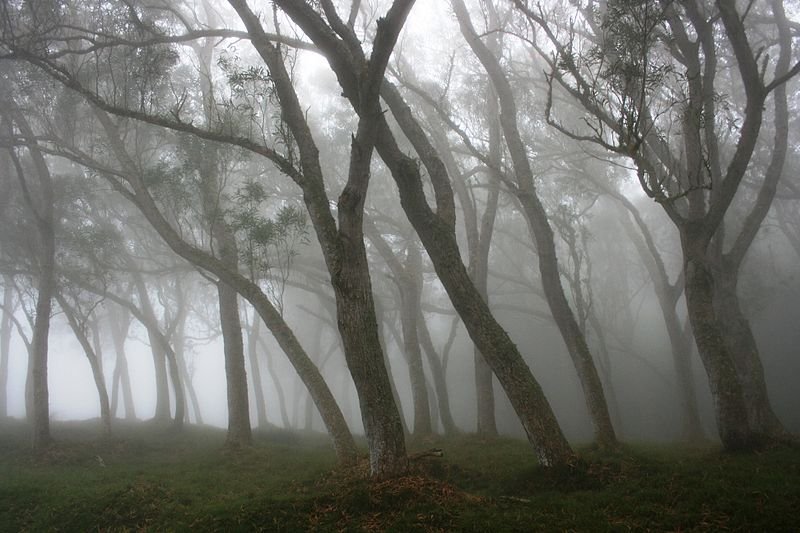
{"x":147,"y":478}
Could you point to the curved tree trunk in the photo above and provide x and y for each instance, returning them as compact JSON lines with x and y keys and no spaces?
{"x":178,"y":340}
{"x":479,"y":236}
{"x":94,"y":361}
{"x":408,"y":278}
{"x":119,"y":321}
{"x":326,"y":403}
{"x":162,"y":412}
{"x":542,"y":235}
{"x":438,"y":375}
{"x":679,"y":339}
{"x":437,"y":232}
{"x":276,"y":381}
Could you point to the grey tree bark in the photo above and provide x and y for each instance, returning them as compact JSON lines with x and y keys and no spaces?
{"x":253,"y":332}
{"x":436,"y":230}
{"x":119,"y":322}
{"x":140,"y":197}
{"x":542,"y":235}
{"x":407,"y":277}
{"x":40,"y":201}
{"x":343,"y":244}
{"x":78,"y":327}
{"x":5,"y":343}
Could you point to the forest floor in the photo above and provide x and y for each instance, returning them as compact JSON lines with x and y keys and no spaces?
{"x":147,"y":478}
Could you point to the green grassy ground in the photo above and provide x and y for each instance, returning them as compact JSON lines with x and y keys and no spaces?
{"x":152,"y":480}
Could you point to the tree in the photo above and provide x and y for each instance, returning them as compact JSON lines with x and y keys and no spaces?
{"x":39,"y":199}
{"x":339,"y":44}
{"x":78,"y":324}
{"x":408,"y":278}
{"x":639,"y":50}
{"x":5,"y":342}
{"x":119,"y":323}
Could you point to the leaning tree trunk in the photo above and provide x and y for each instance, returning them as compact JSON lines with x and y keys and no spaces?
{"x":276,"y":381}
{"x":667,"y":295}
{"x":140,"y":196}
{"x":541,"y":233}
{"x":178,"y":340}
{"x":408,"y":279}
{"x":410,"y":297}
{"x":121,"y":380}
{"x":119,"y":323}
{"x":478,"y":236}
{"x":162,"y":411}
{"x":438,"y":375}
{"x":571,"y":332}
{"x":437,"y":232}
{"x":94,"y":361}
{"x":359,"y":330}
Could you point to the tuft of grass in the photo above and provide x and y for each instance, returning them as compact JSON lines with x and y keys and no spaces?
{"x":148,"y":478}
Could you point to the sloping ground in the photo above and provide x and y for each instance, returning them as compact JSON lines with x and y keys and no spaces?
{"x":149,"y":479}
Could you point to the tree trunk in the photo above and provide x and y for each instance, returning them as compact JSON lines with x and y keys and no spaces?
{"x":39,"y":404}
{"x":383,"y":325}
{"x":479,"y":238}
{"x":729,"y":402}
{"x":542,"y":235}
{"x":93,"y":358}
{"x":438,"y":375}
{"x":410,"y":294}
{"x":5,"y":344}
{"x":277,"y":382}
{"x":437,"y":232}
{"x":679,"y":339}
{"x":186,"y":379}
{"x":178,"y":339}
{"x":177,"y":386}
{"x":162,"y":412}
{"x":359,"y":330}
{"x":744,"y":351}
{"x":39,"y":343}
{"x":224,"y":240}
{"x":239,"y":431}
{"x":119,"y":323}
{"x":255,"y":370}
{"x":574,"y":338}
{"x":408,"y":279}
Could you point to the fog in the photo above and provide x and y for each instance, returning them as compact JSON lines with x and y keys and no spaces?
{"x":341,"y":227}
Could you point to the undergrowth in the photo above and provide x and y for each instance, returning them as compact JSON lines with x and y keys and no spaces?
{"x":148,"y":478}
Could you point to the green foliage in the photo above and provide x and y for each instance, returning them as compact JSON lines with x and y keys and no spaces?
{"x":156,"y":480}
{"x":253,"y":107}
{"x":267,"y":243}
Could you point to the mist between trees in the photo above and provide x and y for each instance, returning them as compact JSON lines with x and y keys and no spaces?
{"x":566,"y":221}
